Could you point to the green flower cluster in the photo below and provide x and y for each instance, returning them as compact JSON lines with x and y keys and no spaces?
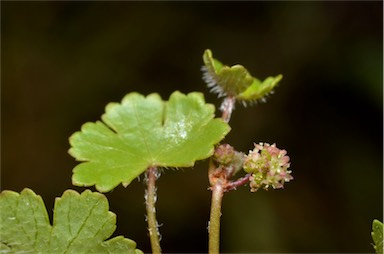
{"x":269,"y":167}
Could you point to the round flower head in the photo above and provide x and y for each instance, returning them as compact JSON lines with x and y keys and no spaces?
{"x":268,"y":165}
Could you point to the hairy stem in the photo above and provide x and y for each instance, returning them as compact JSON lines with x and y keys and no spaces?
{"x":150,"y":197}
{"x":214,"y":222}
{"x":217,"y":180}
{"x":227,"y":106}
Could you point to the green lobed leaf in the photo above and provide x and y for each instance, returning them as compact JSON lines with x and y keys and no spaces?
{"x":235,"y":81}
{"x":141,"y":132}
{"x":81,"y":224}
{"x":377,"y":236}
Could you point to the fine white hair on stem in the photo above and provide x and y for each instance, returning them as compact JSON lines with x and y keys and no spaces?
{"x":227,"y":107}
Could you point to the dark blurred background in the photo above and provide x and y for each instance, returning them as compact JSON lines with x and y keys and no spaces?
{"x":62,"y":62}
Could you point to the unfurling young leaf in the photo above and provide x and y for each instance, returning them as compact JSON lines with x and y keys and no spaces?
{"x":81,"y":224}
{"x":235,"y":81}
{"x":142,"y":132}
{"x":377,"y":236}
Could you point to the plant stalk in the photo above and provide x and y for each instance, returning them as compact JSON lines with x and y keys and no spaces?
{"x":214,"y":222}
{"x":227,"y":107}
{"x":239,"y":182}
{"x":150,"y":197}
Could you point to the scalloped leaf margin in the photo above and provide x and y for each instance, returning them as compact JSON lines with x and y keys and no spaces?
{"x":81,"y":224}
{"x":142,"y":132}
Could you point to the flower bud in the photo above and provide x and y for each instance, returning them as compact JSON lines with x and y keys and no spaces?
{"x":224,"y":154}
{"x":269,"y":167}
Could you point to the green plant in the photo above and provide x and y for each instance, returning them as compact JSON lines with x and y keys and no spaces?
{"x":141,"y":135}
{"x":377,"y":236}
{"x":81,"y":224}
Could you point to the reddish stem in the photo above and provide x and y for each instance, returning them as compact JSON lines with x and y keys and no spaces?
{"x":239,"y":182}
